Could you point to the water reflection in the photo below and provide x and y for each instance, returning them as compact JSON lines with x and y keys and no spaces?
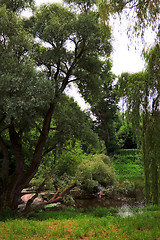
{"x":106,"y":202}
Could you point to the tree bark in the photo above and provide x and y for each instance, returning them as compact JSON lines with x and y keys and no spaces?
{"x":11,"y":190}
{"x":5,"y":164}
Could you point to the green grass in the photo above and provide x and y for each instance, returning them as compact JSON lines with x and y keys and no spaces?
{"x":93,"y":224}
{"x":128,"y":164}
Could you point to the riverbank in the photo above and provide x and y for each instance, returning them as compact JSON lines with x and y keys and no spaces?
{"x":98,"y":223}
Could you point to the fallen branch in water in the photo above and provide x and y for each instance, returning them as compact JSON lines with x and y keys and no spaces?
{"x":54,"y":199}
{"x":30,"y":201}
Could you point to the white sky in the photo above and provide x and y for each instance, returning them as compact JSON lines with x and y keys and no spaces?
{"x":124,"y":57}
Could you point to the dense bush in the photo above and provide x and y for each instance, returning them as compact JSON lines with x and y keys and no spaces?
{"x":95,"y":172}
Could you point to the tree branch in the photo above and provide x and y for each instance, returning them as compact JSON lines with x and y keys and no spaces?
{"x":155,"y":103}
{"x":53,"y":128}
{"x":67,"y":190}
{"x":58,"y":69}
{"x":73,"y":80}
{"x":54,"y":199}
{"x":30,"y":201}
{"x":47,"y":151}
{"x":39,"y":147}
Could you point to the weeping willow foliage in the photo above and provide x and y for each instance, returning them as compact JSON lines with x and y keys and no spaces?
{"x":141,"y":93}
{"x":142,"y":14}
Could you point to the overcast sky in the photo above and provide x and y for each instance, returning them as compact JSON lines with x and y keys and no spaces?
{"x":125,"y":57}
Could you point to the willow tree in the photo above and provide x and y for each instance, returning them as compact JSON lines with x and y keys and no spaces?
{"x":141,"y":14}
{"x":39,"y":58}
{"x":141,"y":93}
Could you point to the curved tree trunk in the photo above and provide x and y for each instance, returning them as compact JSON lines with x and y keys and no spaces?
{"x":10,"y":193}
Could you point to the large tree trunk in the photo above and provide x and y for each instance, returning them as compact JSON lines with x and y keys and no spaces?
{"x":10,"y":196}
{"x":12,"y":186}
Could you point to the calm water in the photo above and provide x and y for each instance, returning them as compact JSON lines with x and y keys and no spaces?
{"x":105,"y":202}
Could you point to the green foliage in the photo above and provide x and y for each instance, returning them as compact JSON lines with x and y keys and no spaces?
{"x":127,"y":187}
{"x":104,"y":110}
{"x":68,"y":161}
{"x":96,"y":171}
{"x":142,"y":14}
{"x":67,"y":146}
{"x":23,"y":91}
{"x":69,"y":201}
{"x":60,"y":169}
{"x":72,"y":123}
{"x":20,"y":100}
{"x":46,"y":171}
{"x":59,"y":27}
{"x":81,"y":4}
{"x":69,"y":140}
{"x":128,"y":164}
{"x":141,"y":92}
{"x":129,"y":171}
{"x":130,"y":152}
{"x":18,"y":5}
{"x":125,"y":134}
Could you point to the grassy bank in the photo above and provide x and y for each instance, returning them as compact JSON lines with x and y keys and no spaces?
{"x":128,"y":164}
{"x":71,"y":224}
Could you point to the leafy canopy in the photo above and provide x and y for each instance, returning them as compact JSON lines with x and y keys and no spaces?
{"x":17,"y":5}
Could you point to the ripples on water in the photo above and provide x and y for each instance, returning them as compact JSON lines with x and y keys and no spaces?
{"x":125,"y":206}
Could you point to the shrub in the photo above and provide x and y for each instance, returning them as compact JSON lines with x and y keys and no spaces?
{"x":127,"y":187}
{"x":96,"y":171}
